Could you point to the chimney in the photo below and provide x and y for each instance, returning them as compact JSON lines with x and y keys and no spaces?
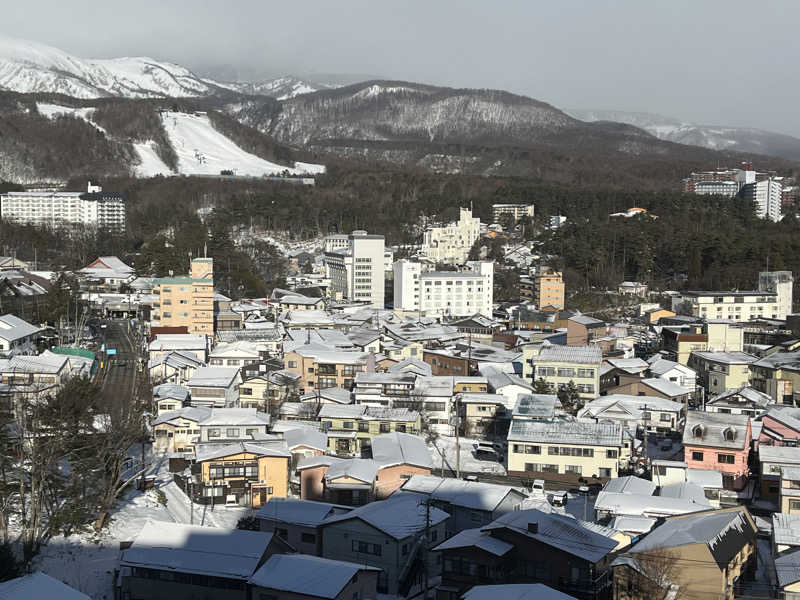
{"x":533,"y":527}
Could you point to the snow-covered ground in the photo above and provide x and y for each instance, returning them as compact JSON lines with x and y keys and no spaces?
{"x":86,"y":561}
{"x":444,"y":449}
{"x":51,"y":111}
{"x":202,"y":150}
{"x":150,"y":164}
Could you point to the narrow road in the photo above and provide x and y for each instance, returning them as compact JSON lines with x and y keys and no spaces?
{"x":119,"y":377}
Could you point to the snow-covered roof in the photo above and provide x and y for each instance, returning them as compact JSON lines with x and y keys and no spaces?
{"x":685,"y":491}
{"x":300,"y":512}
{"x":661,"y":366}
{"x":629,"y":365}
{"x":728,"y":358}
{"x":192,"y":413}
{"x":306,"y":575}
{"x":787,"y":567}
{"x":705,"y":478}
{"x":401,"y":449}
{"x":37,"y":586}
{"x":713,"y":430}
{"x":566,"y":432}
{"x":499,"y":379}
{"x":559,"y":531}
{"x":306,"y":436}
{"x":43,"y":363}
{"x":630,"y":485}
{"x":634,"y":406}
{"x":641,"y":505}
{"x":635,"y":525}
{"x":210,"y":452}
{"x":171,"y":390}
{"x":476,"y":495}
{"x":397,"y":516}
{"x":214,"y":377}
{"x":744,"y":393}
{"x":178,"y":341}
{"x":361,"y":469}
{"x":384,"y":378}
{"x":666,"y":387}
{"x":515,"y":591}
{"x":779,"y":454}
{"x":176,"y":547}
{"x":725,"y":532}
{"x":411,"y":365}
{"x":536,"y":406}
{"x":342,"y":411}
{"x":236,"y":416}
{"x":469,"y":538}
{"x":786,"y":529}
{"x":570,"y":354}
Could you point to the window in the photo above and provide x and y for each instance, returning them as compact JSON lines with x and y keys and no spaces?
{"x":246,"y":391}
{"x":292,"y":364}
{"x":404,"y":549}
{"x":730,"y":434}
{"x":384,"y":428}
{"x":533,"y":449}
{"x":363,"y":426}
{"x":575,"y":469}
{"x":347,"y":425}
{"x":213,"y":433}
{"x":794,"y":504}
{"x":365,"y":547}
{"x":698,"y":431}
{"x":232,"y":433}
{"x":251,"y":430}
{"x":308,"y":538}
{"x":665,"y":417}
{"x":726,"y":459}
{"x":604,"y":472}
{"x":646,"y":415}
{"x":552,"y":451}
{"x":697,"y":456}
{"x":612,"y":453}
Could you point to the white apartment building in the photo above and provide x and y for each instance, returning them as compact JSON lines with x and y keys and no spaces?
{"x":517,"y":211}
{"x":444,"y":293}
{"x":356,"y":270}
{"x":716,"y":188}
{"x":93,"y":208}
{"x":766,"y":195}
{"x":451,"y":243}
{"x":772,"y":300}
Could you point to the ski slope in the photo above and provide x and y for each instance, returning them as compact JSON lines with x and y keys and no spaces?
{"x":202,"y":150}
{"x":150,"y":164}
{"x":52,"y":111}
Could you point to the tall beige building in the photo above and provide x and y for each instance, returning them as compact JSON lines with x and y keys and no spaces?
{"x":451,"y":243}
{"x":186,"y":301}
{"x":548,"y":289}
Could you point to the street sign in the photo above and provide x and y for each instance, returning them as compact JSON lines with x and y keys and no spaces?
{"x":111,"y":351}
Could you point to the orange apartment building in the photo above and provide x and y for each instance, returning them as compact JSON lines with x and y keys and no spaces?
{"x":186,"y":301}
{"x":548,"y":289}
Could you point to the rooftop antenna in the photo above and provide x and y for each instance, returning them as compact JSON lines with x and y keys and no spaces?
{"x":205,"y":250}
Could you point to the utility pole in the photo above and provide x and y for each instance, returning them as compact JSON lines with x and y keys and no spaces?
{"x":644,"y":409}
{"x":425,"y":540}
{"x":458,"y":436}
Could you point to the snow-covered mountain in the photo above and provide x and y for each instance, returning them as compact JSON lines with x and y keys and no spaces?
{"x":281,"y":88}
{"x":739,"y":139}
{"x":28,"y":67}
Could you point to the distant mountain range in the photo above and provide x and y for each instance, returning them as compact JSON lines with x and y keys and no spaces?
{"x":739,"y":139}
{"x":489,"y":132}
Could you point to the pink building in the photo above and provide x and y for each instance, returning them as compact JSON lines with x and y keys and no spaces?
{"x":781,"y":427}
{"x":718,"y":442}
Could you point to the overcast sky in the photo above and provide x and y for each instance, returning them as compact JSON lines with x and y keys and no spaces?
{"x":726,"y":62}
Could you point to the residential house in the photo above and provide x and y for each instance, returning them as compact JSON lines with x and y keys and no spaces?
{"x":656,"y":415}
{"x":17,"y":336}
{"x":654,"y":315}
{"x":565,"y":451}
{"x":269,"y":391}
{"x":388,"y":535}
{"x":582,"y":329}
{"x":789,"y":495}
{"x":356,"y":481}
{"x":236,"y":354}
{"x":656,"y":388}
{"x":106,"y":274}
{"x":176,"y":367}
{"x":168,"y":397}
{"x":507,"y":385}
{"x":298,"y":522}
{"x":385,"y":389}
{"x":306,"y":577}
{"x":351,"y":427}
{"x":215,"y":387}
{"x":778,"y":375}
{"x":780,"y":426}
{"x":329,"y":396}
{"x":436,"y":394}
{"x":672,"y":371}
{"x":225,"y":318}
{"x":322,"y":368}
{"x":536,"y":407}
{"x":304,"y":441}
{"x":719,"y":442}
{"x":560,"y":365}
{"x":773,"y":459}
{"x":183,"y":562}
{"x":721,"y":371}
{"x":741,"y":401}
{"x":34,"y":375}
{"x":469,"y":503}
{"x":180,"y":431}
{"x":680,"y":341}
{"x":164,"y":343}
{"x":529,"y":546}
{"x":707,"y":553}
{"x":618,"y":371}
{"x":249,"y":473}
{"x":482,"y":414}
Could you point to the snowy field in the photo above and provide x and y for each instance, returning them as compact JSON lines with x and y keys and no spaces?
{"x":51,"y":111}
{"x":86,"y":561}
{"x":202,"y":150}
{"x":443,"y":451}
